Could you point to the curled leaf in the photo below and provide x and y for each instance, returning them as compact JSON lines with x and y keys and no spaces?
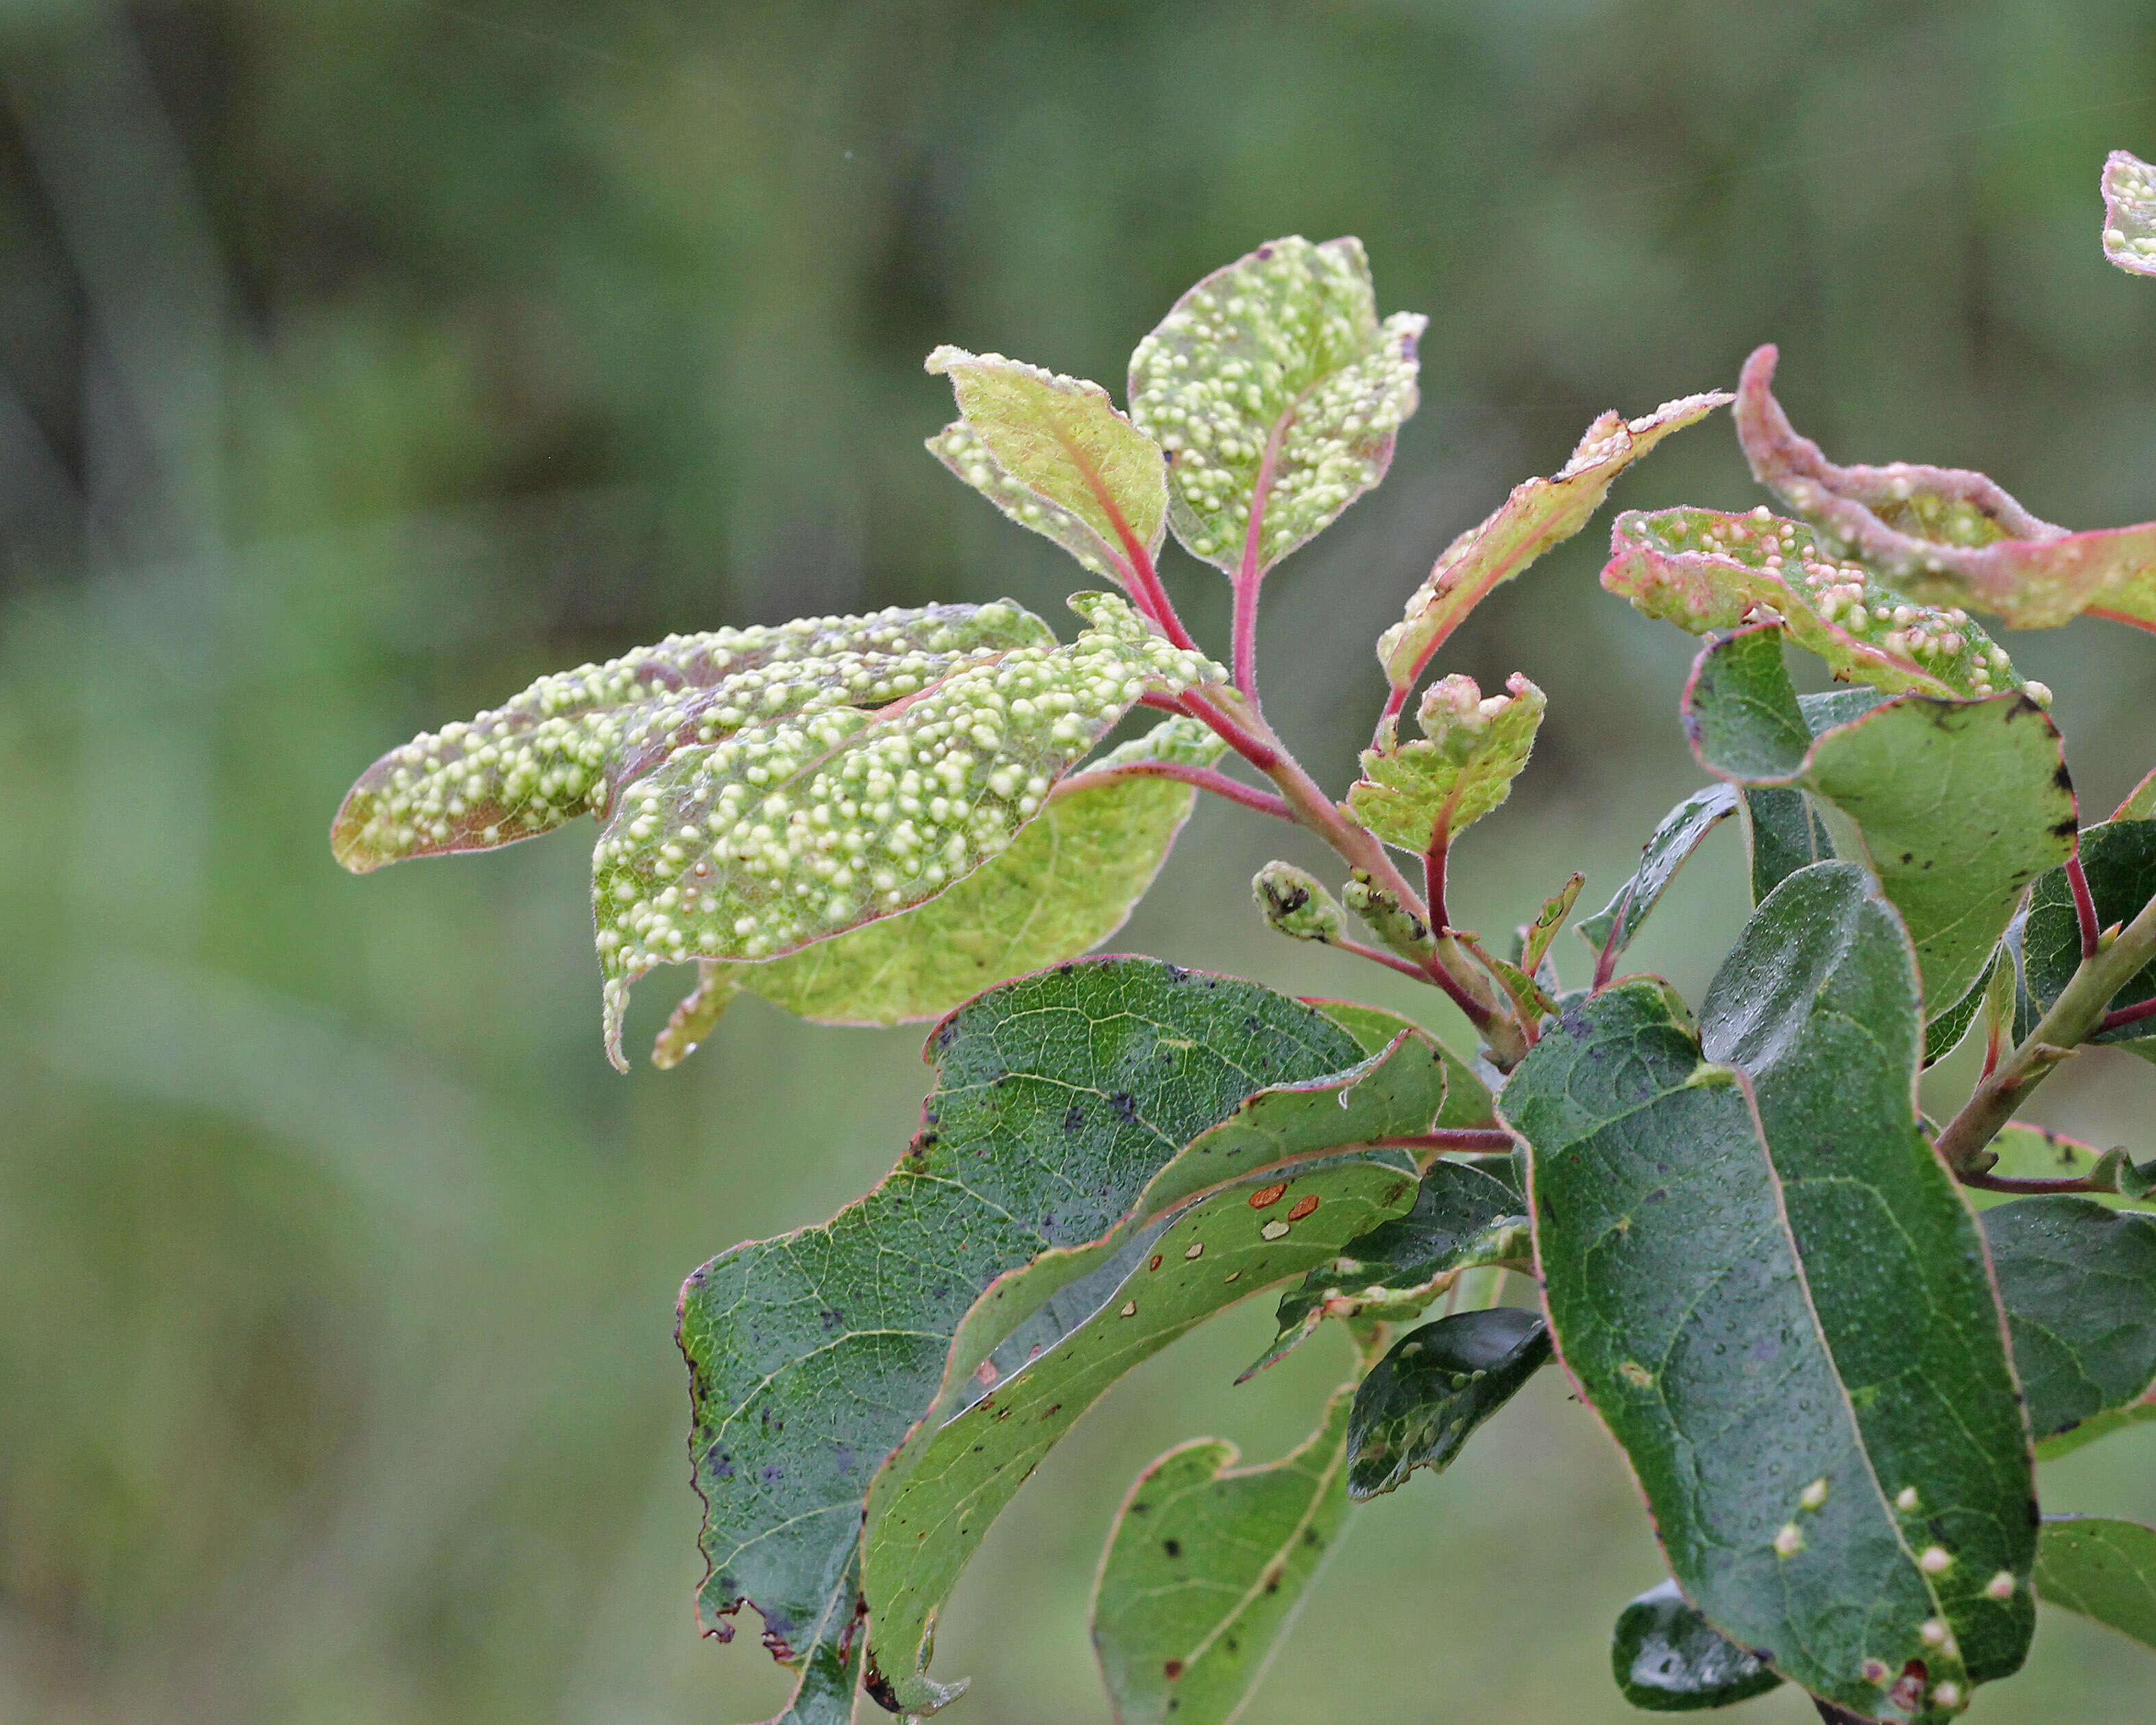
{"x":1423,"y":1400}
{"x":1054,"y":454}
{"x":1679,"y":834}
{"x":1539,"y":513}
{"x":1422,"y":793}
{"x":1294,"y":902}
{"x":1945,"y":534}
{"x":1277,"y":394}
{"x":1703,"y":570}
{"x":2129,"y":213}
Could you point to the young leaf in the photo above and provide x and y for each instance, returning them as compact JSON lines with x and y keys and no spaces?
{"x":2104,"y":1570}
{"x":1294,"y":902}
{"x":1277,"y":395}
{"x":1465,"y":1216}
{"x":2078,"y":1284}
{"x":1668,"y":1659}
{"x":1206,"y":1568}
{"x":1668,"y":846}
{"x":2129,"y":213}
{"x":1534,"y":939}
{"x":1059,"y":1097}
{"x":1054,"y":454}
{"x":1422,"y":1402}
{"x":1068,"y":881}
{"x":1539,"y":514}
{"x":1468,"y":1102}
{"x":564,"y":746}
{"x":790,"y":832}
{"x":2140,"y":803}
{"x":1959,"y":804}
{"x":1944,"y":534}
{"x":2030,"y":1151}
{"x":924,"y":1525}
{"x":1703,"y":570}
{"x":1423,"y":794}
{"x":1768,"y":1287}
{"x":2119,"y":858}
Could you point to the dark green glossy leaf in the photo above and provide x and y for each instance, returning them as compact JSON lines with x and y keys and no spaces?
{"x":2078,"y":1283}
{"x":2119,"y":857}
{"x":1206,"y":1568}
{"x":926,"y":1519}
{"x":1422,"y":1402}
{"x":1668,"y":1659}
{"x":2104,"y":1570}
{"x":1782,"y":833}
{"x":1466,"y":1215}
{"x":1059,"y":1098}
{"x":1667,"y":848}
{"x":1772,"y":1292}
{"x":1959,"y":804}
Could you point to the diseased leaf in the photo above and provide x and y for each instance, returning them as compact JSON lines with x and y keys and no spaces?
{"x":1421,"y":1403}
{"x":2078,"y":1284}
{"x":1294,"y":902}
{"x":2119,"y":858}
{"x":926,"y":1522}
{"x":787,"y":832}
{"x":1668,"y":846}
{"x":1466,"y":1215}
{"x":1206,"y":1568}
{"x":1068,"y":881}
{"x":1059,"y":1098}
{"x":1054,"y":454}
{"x":1946,"y":535}
{"x":2104,"y":1570}
{"x":1668,"y":1659}
{"x":1467,"y":1100}
{"x":1539,"y":514}
{"x":565,"y":746}
{"x":1703,"y":570}
{"x":1277,"y":395}
{"x":1959,"y":804}
{"x":1769,"y":1288}
{"x":1424,"y":793}
{"x":2129,"y":213}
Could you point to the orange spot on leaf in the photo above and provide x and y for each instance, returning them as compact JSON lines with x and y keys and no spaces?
{"x":1303,"y":1208}
{"x":1268,"y":1195}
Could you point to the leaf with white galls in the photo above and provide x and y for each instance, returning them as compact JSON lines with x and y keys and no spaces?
{"x":1277,"y":394}
{"x":2129,"y":213}
{"x":1420,"y":794}
{"x":1053,"y":454}
{"x":1540,"y":513}
{"x":1945,"y":534}
{"x":1294,"y":902}
{"x":564,"y":746}
{"x":1703,"y":570}
{"x":792,"y":832}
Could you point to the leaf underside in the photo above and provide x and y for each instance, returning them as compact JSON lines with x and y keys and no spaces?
{"x":1421,"y":1403}
{"x":2104,"y":1570}
{"x":1206,"y":1567}
{"x":1680,"y":833}
{"x":1668,"y":1659}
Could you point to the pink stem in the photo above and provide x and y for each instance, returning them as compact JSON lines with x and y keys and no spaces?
{"x":2013,"y":1182}
{"x":1378,"y":955}
{"x":1433,"y":874}
{"x":1251,"y":574}
{"x":1204,"y":778}
{"x":2084,"y":906}
{"x":2127,"y":1015}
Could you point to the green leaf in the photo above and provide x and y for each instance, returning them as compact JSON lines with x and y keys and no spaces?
{"x":1054,"y":454}
{"x":1422,"y":1402}
{"x":2030,"y":1151}
{"x":1277,"y":395}
{"x":1959,"y":804}
{"x":2078,"y":1283}
{"x":2104,"y":1570}
{"x":794,"y":831}
{"x":1946,"y":535}
{"x":1668,"y":1659}
{"x":1782,"y":833}
{"x":1468,"y":1102}
{"x":925,"y":1523}
{"x":1423,"y":794}
{"x":1059,"y":1098}
{"x":1942,"y":1035}
{"x":2119,"y":858}
{"x":1703,"y":570}
{"x":1466,"y":1216}
{"x":1539,"y":514}
{"x":2129,"y":213}
{"x":1066,"y":884}
{"x":1206,"y":1568}
{"x":1770,"y":1289}
{"x":2140,"y":803}
{"x":1294,"y":902}
{"x":564,"y":746}
{"x":1667,"y":847}
{"x":1536,"y":937}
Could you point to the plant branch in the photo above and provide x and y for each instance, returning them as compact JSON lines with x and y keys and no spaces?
{"x":1378,"y":955}
{"x":2127,"y":1015}
{"x":2084,"y":906}
{"x":2076,"y":1014}
{"x":1433,"y":875}
{"x":1203,"y":778}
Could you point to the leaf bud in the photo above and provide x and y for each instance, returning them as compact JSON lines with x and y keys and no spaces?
{"x":1392,"y":923}
{"x":1294,"y":902}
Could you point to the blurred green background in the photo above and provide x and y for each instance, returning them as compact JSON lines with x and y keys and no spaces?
{"x":361,"y":359}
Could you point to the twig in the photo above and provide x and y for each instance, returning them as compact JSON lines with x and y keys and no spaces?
{"x":1378,"y":955}
{"x":1433,"y":874}
{"x":1204,"y":778}
{"x":2127,"y":1015}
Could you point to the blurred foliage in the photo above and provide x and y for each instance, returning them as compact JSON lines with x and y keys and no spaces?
{"x":358,"y":361}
